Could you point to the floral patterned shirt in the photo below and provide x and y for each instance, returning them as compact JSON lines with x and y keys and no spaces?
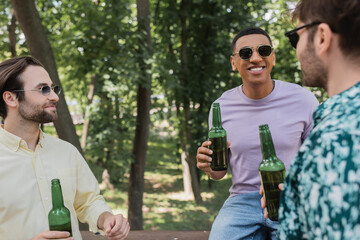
{"x":321,"y":197}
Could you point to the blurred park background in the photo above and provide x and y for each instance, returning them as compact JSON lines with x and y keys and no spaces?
{"x":139,"y":77}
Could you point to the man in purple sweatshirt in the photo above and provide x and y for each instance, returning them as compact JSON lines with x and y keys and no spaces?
{"x":287,"y":108}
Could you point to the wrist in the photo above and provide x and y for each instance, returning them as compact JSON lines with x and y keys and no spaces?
{"x":102,"y":218}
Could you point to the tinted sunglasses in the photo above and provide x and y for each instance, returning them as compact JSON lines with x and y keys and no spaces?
{"x":45,"y":90}
{"x":264,"y":51}
{"x":294,"y":37}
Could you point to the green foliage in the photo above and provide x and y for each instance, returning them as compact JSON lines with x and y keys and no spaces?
{"x":99,"y":39}
{"x":95,"y":39}
{"x":5,"y":21}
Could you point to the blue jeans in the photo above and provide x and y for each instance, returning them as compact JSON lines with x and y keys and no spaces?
{"x":241,"y":217}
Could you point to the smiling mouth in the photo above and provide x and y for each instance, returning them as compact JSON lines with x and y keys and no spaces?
{"x":256,"y":68}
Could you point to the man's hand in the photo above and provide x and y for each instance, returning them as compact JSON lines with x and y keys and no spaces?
{"x":116,"y":227}
{"x":53,"y":235}
{"x":203,"y":158}
{"x":263,"y":201}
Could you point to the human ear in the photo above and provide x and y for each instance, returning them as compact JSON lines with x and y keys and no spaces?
{"x":232,"y":61}
{"x":323,"y":38}
{"x":10,"y":99}
{"x":274,"y":58}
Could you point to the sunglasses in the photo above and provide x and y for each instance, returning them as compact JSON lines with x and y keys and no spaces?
{"x":264,"y":51}
{"x":45,"y":90}
{"x":294,"y":37}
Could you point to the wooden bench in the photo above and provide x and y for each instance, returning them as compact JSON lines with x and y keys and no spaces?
{"x":154,"y":235}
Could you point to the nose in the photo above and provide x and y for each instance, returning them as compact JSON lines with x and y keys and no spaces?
{"x":255,"y":57}
{"x":53,"y":96}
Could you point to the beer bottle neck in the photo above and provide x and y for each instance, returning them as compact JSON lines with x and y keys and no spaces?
{"x":216,"y":117}
{"x":267,"y":146}
{"x":57,"y":197}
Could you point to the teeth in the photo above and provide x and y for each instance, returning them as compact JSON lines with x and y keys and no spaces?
{"x":256,"y":69}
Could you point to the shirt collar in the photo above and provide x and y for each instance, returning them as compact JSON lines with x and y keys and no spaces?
{"x":14,"y":142}
{"x":337,"y":104}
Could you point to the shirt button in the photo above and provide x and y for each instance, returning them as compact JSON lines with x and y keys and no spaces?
{"x":41,"y":177}
{"x":46,"y":198}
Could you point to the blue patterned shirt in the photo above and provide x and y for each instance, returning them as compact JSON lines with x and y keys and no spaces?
{"x":321,"y":197}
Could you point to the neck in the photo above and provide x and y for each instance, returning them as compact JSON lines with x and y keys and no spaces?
{"x":342,"y":75}
{"x":258,"y":91}
{"x":26,"y":130}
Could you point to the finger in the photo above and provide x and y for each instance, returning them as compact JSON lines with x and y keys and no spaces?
{"x":206,"y":144}
{"x":115,"y":230}
{"x":202,"y":158}
{"x":204,"y":167}
{"x":228,"y":144}
{"x":266,"y":215}
{"x":125,"y":227}
{"x":55,"y":234}
{"x":204,"y":150}
{"x":123,"y":233}
{"x":263,"y":202}
{"x":281,"y":186}
{"x":108,"y":225}
{"x":261,"y":192}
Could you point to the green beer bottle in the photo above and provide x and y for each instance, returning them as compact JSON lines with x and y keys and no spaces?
{"x":217,"y":136}
{"x":272,"y":172}
{"x":59,"y":215}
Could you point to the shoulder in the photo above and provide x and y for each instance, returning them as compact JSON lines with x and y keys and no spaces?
{"x":293,"y":87}
{"x":296,"y":91}
{"x":58,"y":145}
{"x":229,"y":94}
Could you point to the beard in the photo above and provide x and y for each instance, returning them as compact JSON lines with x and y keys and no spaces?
{"x":314,"y":73}
{"x":36,"y":113}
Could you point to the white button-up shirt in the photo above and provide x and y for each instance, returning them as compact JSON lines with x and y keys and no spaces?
{"x":25,"y":186}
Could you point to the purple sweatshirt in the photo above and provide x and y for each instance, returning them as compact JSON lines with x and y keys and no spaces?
{"x":287,"y":110}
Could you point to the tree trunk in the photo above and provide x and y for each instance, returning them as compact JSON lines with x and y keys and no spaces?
{"x":190,"y":159}
{"x":185,"y":165}
{"x":12,"y":34}
{"x":136,"y":182}
{"x":87,"y":112}
{"x":39,"y":46}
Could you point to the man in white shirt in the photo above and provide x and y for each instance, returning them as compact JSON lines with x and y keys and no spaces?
{"x":29,"y":159}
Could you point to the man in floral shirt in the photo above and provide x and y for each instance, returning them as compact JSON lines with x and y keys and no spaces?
{"x":321,"y":197}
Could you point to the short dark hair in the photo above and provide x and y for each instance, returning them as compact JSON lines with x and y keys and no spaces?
{"x":249,"y":31}
{"x":341,"y":15}
{"x":9,"y":71}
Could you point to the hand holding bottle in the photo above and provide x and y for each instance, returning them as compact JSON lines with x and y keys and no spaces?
{"x":272,"y":172}
{"x":263,"y":200}
{"x":203,"y":157}
{"x":203,"y":160}
{"x":53,"y":235}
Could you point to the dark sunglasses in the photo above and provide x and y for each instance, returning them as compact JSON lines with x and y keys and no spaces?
{"x":45,"y":90}
{"x":264,"y":51}
{"x":294,"y":37}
